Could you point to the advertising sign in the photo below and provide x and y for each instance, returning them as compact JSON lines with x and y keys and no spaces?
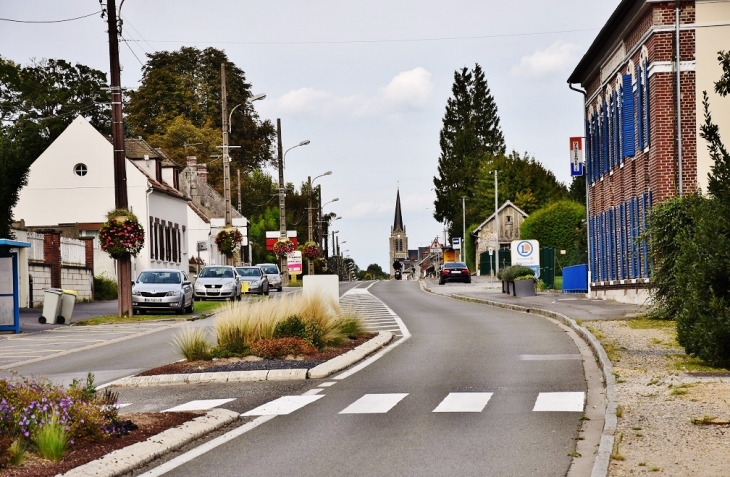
{"x":456,"y":243}
{"x":526,"y":253}
{"x":576,"y":156}
{"x":294,"y":262}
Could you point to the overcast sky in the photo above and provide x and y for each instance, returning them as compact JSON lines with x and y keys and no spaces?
{"x":365,"y":81}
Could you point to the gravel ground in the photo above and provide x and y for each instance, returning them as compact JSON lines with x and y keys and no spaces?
{"x":671,"y":422}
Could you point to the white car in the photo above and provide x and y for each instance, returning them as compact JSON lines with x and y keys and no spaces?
{"x":273,"y":274}
{"x":162,"y":289}
{"x":217,"y":282}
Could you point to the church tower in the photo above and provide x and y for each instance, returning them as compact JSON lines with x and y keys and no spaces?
{"x":398,"y":238}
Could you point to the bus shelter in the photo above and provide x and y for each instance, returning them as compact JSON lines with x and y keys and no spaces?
{"x":10,"y":284}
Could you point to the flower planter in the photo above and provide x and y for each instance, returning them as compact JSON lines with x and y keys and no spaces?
{"x":524,"y":288}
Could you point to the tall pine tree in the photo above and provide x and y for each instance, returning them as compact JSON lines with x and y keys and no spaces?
{"x":470,"y":134}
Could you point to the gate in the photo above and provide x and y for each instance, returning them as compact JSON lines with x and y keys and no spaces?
{"x":547,"y":266}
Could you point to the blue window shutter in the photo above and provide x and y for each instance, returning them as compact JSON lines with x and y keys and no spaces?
{"x":644,"y":245}
{"x":635,"y":244}
{"x":627,"y":117}
{"x":616,"y":129}
{"x":647,"y":121}
{"x":589,"y":153}
{"x":639,"y":110}
{"x":619,"y":127}
{"x":596,"y":143}
{"x":609,"y":116}
{"x":605,"y":139}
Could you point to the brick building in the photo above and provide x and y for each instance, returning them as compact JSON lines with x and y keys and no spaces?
{"x":642,"y":144}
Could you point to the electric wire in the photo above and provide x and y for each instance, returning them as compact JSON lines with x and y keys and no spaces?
{"x":49,"y":21}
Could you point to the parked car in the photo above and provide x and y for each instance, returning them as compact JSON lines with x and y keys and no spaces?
{"x":162,"y":289}
{"x":218,"y":281}
{"x":256,"y":279}
{"x":273,"y":274}
{"x":454,"y":272}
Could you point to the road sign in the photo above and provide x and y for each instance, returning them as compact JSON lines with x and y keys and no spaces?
{"x":491,"y":250}
{"x":435,"y":246}
{"x":202,"y":246}
{"x":576,"y":156}
{"x":294,"y":262}
{"x":526,"y":253}
{"x":456,"y":243}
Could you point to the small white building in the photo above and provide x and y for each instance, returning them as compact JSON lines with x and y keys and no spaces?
{"x":72,"y":185}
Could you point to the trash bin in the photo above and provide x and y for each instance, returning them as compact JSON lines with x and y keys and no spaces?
{"x":51,"y":305}
{"x":68,"y":300}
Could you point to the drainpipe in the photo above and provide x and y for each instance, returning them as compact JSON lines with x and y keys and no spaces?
{"x":588,"y":195}
{"x":679,"y":99}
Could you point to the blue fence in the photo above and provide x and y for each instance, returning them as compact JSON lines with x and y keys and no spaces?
{"x":575,"y":279}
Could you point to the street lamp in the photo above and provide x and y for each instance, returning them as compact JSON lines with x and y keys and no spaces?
{"x":323,"y":236}
{"x":255,"y":97}
{"x":282,"y":192}
{"x":310,"y":262}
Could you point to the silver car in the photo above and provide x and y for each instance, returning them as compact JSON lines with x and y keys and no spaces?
{"x":255,"y":278}
{"x":217,"y":282}
{"x":273,"y":274}
{"x":162,"y":289}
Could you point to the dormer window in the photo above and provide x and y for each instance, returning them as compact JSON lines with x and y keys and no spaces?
{"x":81,"y":170}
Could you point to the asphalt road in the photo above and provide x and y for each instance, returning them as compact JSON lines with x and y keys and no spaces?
{"x":462,"y":396}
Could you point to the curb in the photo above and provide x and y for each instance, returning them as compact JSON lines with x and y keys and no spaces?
{"x":323,"y":370}
{"x":125,"y":460}
{"x":603,"y":455}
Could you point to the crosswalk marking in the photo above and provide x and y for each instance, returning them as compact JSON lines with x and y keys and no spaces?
{"x":283,"y":405}
{"x":464,"y":402}
{"x":374,"y":404}
{"x":327,"y":384}
{"x":560,"y":402}
{"x":312,"y":392}
{"x":199,"y":405}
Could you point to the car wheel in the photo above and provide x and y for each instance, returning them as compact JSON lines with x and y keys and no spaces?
{"x":238,"y":297}
{"x":281,"y":288}
{"x":441,"y":282}
{"x":179,"y":310}
{"x":266,"y":291}
{"x":468,"y":281}
{"x":190,"y":308}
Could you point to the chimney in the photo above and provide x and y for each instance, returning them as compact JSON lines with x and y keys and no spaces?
{"x":203,"y":173}
{"x":191,"y":161}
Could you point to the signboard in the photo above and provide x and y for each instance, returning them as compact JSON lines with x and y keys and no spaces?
{"x":526,"y":253}
{"x":435,"y":246}
{"x":576,"y":156}
{"x":202,"y":246}
{"x":456,"y":242}
{"x":273,"y":236}
{"x":294,"y":262}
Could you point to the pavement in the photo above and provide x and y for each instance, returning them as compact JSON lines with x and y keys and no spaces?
{"x":571,"y":310}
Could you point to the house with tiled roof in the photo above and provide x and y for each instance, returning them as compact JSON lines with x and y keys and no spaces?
{"x":71,"y":188}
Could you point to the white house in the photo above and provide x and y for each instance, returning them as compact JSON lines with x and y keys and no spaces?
{"x":72,"y":185}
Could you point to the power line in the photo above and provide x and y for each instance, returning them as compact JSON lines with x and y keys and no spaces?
{"x":48,"y":21}
{"x":126,"y":42}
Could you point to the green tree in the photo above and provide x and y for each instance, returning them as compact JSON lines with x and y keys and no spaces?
{"x":187,"y":83}
{"x":376,"y":272}
{"x":577,"y":191}
{"x":14,"y":163}
{"x":558,"y":226}
{"x":470,"y":134}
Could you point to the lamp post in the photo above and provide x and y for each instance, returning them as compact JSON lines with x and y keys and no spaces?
{"x":339,"y":258}
{"x":496,"y":222}
{"x":324,"y":235}
{"x":310,"y":237}
{"x":334,"y":249}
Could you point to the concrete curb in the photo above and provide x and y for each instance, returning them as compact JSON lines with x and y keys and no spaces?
{"x":603,"y":456}
{"x":127,"y":459}
{"x":338,"y":363}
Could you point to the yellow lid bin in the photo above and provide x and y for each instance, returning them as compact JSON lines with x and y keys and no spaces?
{"x":68,"y":300}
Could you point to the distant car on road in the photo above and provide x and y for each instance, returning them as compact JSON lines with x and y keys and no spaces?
{"x":256,"y":279}
{"x":454,"y":272}
{"x":273,"y":274}
{"x":217,"y":282}
{"x":162,"y":289}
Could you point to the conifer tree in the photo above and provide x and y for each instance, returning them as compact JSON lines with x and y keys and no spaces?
{"x":470,"y":133}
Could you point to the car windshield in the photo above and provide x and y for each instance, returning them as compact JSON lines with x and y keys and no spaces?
{"x":455,"y":265}
{"x":270,"y":269}
{"x":159,"y":277}
{"x":249,"y":272}
{"x":216,"y":272}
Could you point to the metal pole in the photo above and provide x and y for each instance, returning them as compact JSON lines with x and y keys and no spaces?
{"x":226,"y":166}
{"x":588,"y":195}
{"x":238,"y":173}
{"x":463,"y":228}
{"x":496,"y":219}
{"x":124,"y":263}
{"x":310,"y":262}
{"x":282,"y":196}
{"x":679,"y":101}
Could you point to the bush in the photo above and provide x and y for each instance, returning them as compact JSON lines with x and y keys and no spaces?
{"x":281,"y":347}
{"x":292,"y":327}
{"x":509,"y":274}
{"x":105,"y":288}
{"x":559,"y":225}
{"x":192,"y":344}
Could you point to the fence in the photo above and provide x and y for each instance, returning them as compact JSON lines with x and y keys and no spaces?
{"x":73,"y":252}
{"x":35,"y":253}
{"x":575,"y":279}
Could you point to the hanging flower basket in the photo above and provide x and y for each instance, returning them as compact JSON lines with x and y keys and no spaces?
{"x":228,"y":240}
{"x":284,"y":247}
{"x":121,"y":234}
{"x":311,"y":250}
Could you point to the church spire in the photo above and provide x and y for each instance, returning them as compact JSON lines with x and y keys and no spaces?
{"x":398,"y":222}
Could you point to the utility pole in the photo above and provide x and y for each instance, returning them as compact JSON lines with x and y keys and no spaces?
{"x":282,"y":196}
{"x":463,"y":228}
{"x":226,"y":165}
{"x":310,"y":262}
{"x":496,"y":220}
{"x":124,"y":263}
{"x":238,"y":173}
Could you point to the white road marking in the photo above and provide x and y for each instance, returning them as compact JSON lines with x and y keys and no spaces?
{"x":560,"y":402}
{"x":283,"y":405}
{"x":464,"y":402}
{"x":327,"y":384}
{"x":374,"y":404}
{"x":312,"y":392}
{"x":199,"y":405}
{"x":121,"y":405}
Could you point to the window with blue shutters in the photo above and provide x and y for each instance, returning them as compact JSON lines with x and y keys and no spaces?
{"x":639,"y":107}
{"x":605,"y":139}
{"x":627,"y":118}
{"x":645,"y":97}
{"x":609,"y":112}
{"x":619,"y":128}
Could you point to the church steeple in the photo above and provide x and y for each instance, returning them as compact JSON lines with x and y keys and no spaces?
{"x":398,"y":222}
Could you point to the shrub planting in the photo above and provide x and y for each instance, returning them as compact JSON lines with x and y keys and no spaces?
{"x":281,"y":347}
{"x":105,"y":288}
{"x":510,"y":274}
{"x":192,"y":344}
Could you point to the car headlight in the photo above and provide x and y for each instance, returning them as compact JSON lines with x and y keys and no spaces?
{"x":228,"y":286}
{"x":174,"y":293}
{"x":136,"y":293}
{"x":199,"y":286}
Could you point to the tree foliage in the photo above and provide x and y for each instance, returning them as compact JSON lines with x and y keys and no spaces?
{"x":689,"y":241}
{"x":559,"y":226}
{"x":470,"y":133}
{"x":14,"y":163}
{"x":179,"y":103}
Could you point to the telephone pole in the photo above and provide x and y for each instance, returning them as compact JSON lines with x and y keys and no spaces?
{"x":282,"y":197}
{"x":124,"y":263}
{"x":226,"y":165}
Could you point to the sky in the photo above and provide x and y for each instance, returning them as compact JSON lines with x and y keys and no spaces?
{"x":365,"y":81}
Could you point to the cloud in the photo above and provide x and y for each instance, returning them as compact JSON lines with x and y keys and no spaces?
{"x":407,"y":91}
{"x":557,"y":58}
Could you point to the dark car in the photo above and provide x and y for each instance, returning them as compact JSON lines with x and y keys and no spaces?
{"x":454,"y":272}
{"x":255,"y":278}
{"x":162,"y":289}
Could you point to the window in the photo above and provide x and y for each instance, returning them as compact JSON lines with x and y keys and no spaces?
{"x":81,"y":170}
{"x":627,"y":117}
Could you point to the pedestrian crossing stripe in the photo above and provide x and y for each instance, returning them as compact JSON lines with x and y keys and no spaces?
{"x":374,"y":404}
{"x":283,"y":405}
{"x":560,"y":402}
{"x":199,"y":405}
{"x":464,"y":402}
